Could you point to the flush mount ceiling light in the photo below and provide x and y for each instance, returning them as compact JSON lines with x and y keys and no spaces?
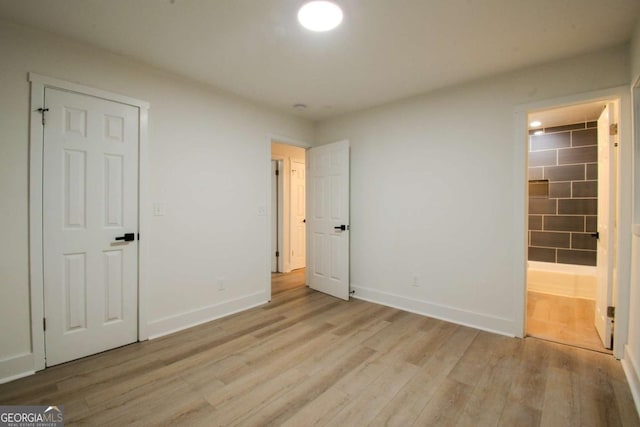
{"x":535,"y":123}
{"x":320,"y":15}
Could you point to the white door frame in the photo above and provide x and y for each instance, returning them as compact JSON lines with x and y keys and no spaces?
{"x":623,"y":216}
{"x":268,"y":157}
{"x":636,"y":125}
{"x":36,"y":270}
{"x":279,"y":213}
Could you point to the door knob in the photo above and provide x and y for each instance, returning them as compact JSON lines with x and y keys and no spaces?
{"x":128,"y":237}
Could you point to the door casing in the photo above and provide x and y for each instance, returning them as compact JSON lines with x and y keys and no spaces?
{"x":277,"y":214}
{"x":36,"y":278}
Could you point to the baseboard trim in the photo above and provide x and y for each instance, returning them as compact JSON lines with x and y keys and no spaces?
{"x":632,"y":374}
{"x":179,"y":322}
{"x":22,"y":365}
{"x":16,"y":367}
{"x":484,"y":322}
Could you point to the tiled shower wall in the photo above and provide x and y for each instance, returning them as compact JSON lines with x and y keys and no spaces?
{"x":562,"y":218}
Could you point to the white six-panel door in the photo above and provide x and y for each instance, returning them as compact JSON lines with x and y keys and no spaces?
{"x":606,"y":216}
{"x":90,"y":197}
{"x":297,"y":206}
{"x":327,"y":213}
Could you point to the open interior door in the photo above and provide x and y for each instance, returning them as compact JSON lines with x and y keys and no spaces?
{"x":328,"y":219}
{"x":606,"y":216}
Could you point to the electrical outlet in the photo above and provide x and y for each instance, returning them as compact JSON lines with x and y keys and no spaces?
{"x":221,"y":285}
{"x":262,"y":210}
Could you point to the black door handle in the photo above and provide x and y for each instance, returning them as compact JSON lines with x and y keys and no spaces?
{"x":596,"y":234}
{"x":128,"y":237}
{"x":341,"y":227}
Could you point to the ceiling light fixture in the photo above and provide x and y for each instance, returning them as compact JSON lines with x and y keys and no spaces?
{"x":535,"y":123}
{"x":320,"y":15}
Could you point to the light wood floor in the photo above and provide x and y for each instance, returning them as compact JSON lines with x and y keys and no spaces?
{"x":564,"y":320}
{"x":309,"y":359}
{"x":282,"y":282}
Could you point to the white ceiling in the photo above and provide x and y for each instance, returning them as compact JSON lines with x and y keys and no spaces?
{"x":385,"y":49}
{"x":569,"y":115}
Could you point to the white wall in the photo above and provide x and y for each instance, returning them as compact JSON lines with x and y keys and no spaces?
{"x":433,"y":193}
{"x":286,"y":153}
{"x":209,"y":156}
{"x":635,"y":53}
{"x":631,"y":360}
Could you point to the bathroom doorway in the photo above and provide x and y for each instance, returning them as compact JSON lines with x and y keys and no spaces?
{"x":571,"y":194}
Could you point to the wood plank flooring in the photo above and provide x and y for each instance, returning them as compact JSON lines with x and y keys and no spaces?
{"x":564,"y":320}
{"x":309,"y":359}
{"x":281,"y":282}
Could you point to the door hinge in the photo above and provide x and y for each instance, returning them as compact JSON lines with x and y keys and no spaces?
{"x":611,"y":312}
{"x":44,"y":323}
{"x":42,"y":111}
{"x":613,"y":129}
{"x":277,"y":172}
{"x":277,"y":253}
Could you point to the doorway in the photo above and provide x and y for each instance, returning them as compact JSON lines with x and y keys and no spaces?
{"x":572,"y":205}
{"x":325,"y":240}
{"x":288,"y":208}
